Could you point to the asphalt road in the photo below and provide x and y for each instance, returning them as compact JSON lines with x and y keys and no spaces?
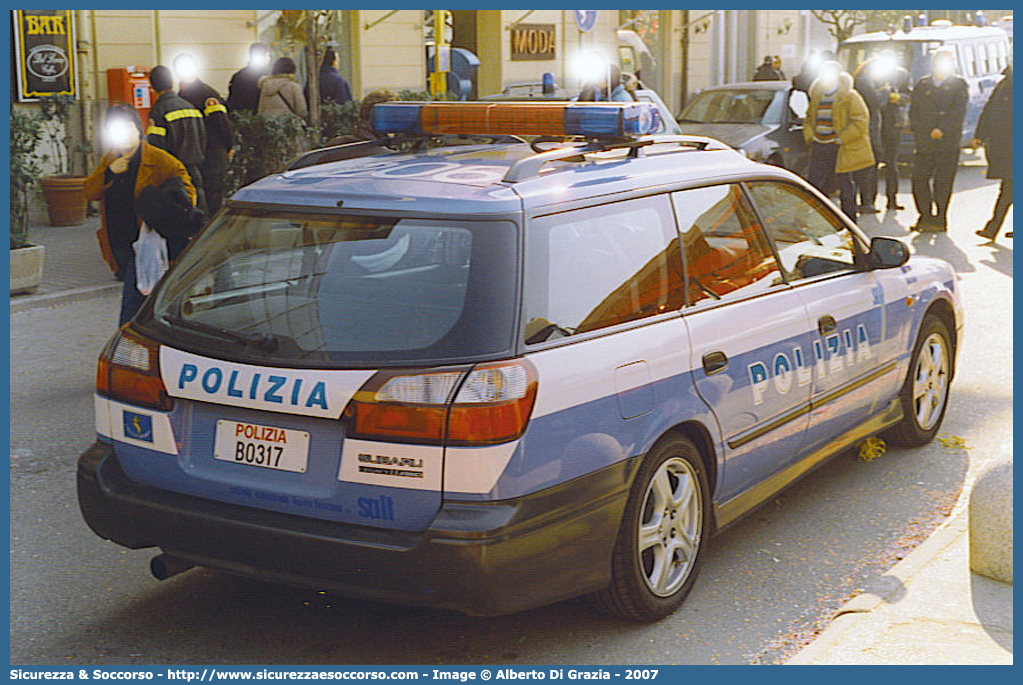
{"x":766,"y":585}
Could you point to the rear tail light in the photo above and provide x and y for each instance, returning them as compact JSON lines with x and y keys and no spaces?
{"x":129,"y":371}
{"x":482,"y":405}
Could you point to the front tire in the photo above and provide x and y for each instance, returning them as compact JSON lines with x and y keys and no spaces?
{"x":924,"y":395}
{"x":662,"y":536}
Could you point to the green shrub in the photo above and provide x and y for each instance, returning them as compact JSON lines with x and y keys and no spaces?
{"x":263,"y":145}
{"x":338,"y":120}
{"x":26,"y":132}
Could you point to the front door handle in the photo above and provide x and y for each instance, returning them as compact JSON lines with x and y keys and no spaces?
{"x":826,"y":324}
{"x":714,"y":362}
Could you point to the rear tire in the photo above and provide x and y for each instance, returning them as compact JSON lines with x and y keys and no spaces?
{"x":924,"y":394}
{"x":662,"y":536}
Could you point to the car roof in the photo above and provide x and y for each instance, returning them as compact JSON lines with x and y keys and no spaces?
{"x":470,"y":179}
{"x":751,"y":85}
{"x":927,"y":33}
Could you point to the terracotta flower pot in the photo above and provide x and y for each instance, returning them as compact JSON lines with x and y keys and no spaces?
{"x":65,"y":199}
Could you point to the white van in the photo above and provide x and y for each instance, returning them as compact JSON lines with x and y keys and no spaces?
{"x":981,"y":55}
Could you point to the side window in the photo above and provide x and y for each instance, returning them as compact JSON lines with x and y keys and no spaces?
{"x":969,"y":68}
{"x":726,"y":252}
{"x":992,"y":58}
{"x":601,"y":266}
{"x":809,"y":238}
{"x":1003,"y":55}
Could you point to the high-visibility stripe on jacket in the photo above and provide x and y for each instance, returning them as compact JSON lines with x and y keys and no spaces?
{"x":177,"y":127}
{"x":218,"y":124}
{"x":181,"y":113}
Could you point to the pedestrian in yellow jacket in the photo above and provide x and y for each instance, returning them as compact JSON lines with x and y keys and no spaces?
{"x":128,"y":166}
{"x":837,"y":131}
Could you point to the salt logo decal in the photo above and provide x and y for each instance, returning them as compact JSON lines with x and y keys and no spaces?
{"x":308,"y":392}
{"x":138,"y":426}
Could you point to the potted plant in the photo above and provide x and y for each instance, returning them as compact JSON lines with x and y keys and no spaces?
{"x":26,"y":259}
{"x":64,"y":193}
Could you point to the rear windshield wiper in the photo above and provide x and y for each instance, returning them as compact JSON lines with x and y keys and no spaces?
{"x":267,"y":342}
{"x":208,"y":329}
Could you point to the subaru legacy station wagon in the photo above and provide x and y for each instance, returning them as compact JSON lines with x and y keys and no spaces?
{"x":486,"y":374}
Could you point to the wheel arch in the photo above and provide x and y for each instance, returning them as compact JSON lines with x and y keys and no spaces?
{"x":698,"y":434}
{"x":942,"y":309}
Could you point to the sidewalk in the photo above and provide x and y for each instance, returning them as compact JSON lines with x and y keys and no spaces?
{"x":73,"y":267}
{"x":929,"y":609}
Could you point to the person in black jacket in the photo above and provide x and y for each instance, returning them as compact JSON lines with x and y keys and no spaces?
{"x":994,"y":132}
{"x":895,"y":88}
{"x":168,"y":210}
{"x":936,"y":116}
{"x":219,"y":138}
{"x":866,"y":179}
{"x":769,"y":70}
{"x":243,"y":90}
{"x":333,"y":86}
{"x":176,"y":126}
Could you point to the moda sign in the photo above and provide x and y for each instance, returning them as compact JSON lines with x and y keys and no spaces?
{"x":532,"y":42}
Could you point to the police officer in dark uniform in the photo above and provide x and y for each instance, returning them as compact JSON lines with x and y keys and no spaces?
{"x":218,"y":128}
{"x":243,"y":90}
{"x":936,"y":116}
{"x":176,"y":126}
{"x":895,"y":82}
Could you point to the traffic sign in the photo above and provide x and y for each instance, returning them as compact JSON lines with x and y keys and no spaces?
{"x":585,"y":19}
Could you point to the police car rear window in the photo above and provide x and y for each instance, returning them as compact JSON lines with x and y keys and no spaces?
{"x":316,"y":290}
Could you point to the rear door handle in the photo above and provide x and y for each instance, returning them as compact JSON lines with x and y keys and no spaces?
{"x":714,"y":362}
{"x":826,"y":324}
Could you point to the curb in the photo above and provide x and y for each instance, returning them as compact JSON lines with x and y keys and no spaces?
{"x":879,"y":591}
{"x":24,"y":303}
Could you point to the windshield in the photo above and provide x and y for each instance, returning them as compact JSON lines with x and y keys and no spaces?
{"x":306,"y":289}
{"x":734,"y":107}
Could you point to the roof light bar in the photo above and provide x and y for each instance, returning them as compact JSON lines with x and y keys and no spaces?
{"x":591,"y":120}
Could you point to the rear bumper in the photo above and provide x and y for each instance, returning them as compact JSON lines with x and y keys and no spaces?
{"x":479,"y":558}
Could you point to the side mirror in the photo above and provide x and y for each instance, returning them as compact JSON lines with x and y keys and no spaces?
{"x":888,"y":253}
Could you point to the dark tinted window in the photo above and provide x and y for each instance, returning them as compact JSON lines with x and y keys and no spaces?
{"x":809,"y":238}
{"x":295,"y":287}
{"x":601,"y":266}
{"x":726,"y":252}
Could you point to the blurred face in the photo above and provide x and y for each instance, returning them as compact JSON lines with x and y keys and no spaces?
{"x":186,"y":69}
{"x":883,"y":67}
{"x":259,"y":59}
{"x":943,"y":65}
{"x":829,"y":75}
{"x":120,"y":135}
{"x":592,"y":68}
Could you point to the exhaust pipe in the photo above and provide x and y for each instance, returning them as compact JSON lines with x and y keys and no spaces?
{"x":164,"y":566}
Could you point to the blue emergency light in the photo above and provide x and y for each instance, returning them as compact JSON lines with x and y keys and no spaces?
{"x":590,"y":120}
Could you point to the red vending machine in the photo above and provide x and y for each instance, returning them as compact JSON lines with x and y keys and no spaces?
{"x":131,"y":85}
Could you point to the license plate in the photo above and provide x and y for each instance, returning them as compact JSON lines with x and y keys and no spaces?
{"x":270,"y":447}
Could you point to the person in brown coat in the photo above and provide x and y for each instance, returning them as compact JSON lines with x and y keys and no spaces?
{"x":837,"y":131}
{"x":129,"y":166}
{"x":280,"y":94}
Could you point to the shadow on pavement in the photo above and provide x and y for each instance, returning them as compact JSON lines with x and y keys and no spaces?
{"x":989,"y":599}
{"x":1001,"y":259}
{"x":942,"y":246}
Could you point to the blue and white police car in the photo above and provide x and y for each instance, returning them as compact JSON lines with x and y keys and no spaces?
{"x":491,"y":375}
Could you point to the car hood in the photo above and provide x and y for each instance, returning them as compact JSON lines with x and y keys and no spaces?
{"x":734,"y":135}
